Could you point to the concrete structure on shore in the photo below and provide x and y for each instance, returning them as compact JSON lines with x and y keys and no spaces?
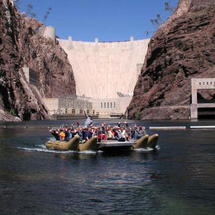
{"x":201,"y":84}
{"x":49,"y":33}
{"x":31,"y":76}
{"x":73,"y":106}
{"x":106,"y":71}
{"x":77,"y":105}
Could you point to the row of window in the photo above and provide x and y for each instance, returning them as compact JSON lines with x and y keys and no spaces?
{"x":203,"y":83}
{"x":81,"y":111}
{"x":108,"y":104}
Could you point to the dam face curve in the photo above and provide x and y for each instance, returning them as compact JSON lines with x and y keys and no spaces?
{"x":106,"y":71}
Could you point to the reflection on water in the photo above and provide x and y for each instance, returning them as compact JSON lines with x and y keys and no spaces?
{"x":176,"y":179}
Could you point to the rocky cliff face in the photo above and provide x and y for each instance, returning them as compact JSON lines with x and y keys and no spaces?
{"x":22,"y":44}
{"x":182,"y":48}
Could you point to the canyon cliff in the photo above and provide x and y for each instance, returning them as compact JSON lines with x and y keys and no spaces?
{"x":181,"y":49}
{"x":22,"y":45}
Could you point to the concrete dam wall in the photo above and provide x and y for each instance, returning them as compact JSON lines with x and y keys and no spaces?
{"x":105,"y":70}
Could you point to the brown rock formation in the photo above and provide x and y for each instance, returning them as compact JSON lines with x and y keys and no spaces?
{"x":21,"y":44}
{"x":181,"y":49}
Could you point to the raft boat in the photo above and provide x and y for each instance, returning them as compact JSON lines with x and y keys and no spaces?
{"x":110,"y":145}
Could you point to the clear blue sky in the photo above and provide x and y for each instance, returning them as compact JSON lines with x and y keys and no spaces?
{"x":107,"y":20}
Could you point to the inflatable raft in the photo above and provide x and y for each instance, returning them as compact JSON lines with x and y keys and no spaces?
{"x":73,"y":144}
{"x":109,"y":145}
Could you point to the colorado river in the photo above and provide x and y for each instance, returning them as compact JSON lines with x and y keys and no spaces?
{"x":176,"y":179}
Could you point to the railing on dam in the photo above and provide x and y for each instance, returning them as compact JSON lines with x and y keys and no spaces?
{"x":70,"y":116}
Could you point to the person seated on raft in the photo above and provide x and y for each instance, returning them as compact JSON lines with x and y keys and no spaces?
{"x":77,"y":123}
{"x":140,"y":132}
{"x":110,"y":134}
{"x":125,"y":133}
{"x":87,"y":134}
{"x":103,"y":132}
{"x":62,"y":135}
{"x":115,"y":133}
{"x":132,"y":132}
{"x":83,"y":132}
{"x":126,"y":124}
{"x":68,"y":134}
{"x":94,"y":131}
{"x":78,"y":132}
{"x":120,"y":135}
{"x":101,"y":135}
{"x":55,"y":133}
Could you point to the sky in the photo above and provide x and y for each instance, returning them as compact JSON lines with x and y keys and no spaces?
{"x":107,"y":20}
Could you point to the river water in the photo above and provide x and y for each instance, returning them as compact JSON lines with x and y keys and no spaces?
{"x":179,"y":178}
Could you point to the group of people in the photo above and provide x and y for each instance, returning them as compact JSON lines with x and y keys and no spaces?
{"x":105,"y":132}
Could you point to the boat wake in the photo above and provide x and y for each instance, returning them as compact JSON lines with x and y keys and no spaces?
{"x":147,"y":149}
{"x":42,"y":148}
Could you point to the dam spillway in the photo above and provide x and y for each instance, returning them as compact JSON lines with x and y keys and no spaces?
{"x":103,"y":70}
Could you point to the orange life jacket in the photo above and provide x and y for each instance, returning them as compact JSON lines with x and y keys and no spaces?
{"x":62,"y":135}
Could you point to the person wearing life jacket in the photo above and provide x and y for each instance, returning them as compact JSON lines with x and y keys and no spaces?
{"x":62,"y":135}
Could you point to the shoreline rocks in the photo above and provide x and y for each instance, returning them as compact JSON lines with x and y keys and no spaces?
{"x":21,"y":44}
{"x":181,"y":49}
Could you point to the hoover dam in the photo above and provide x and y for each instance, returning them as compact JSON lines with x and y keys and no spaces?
{"x":104,"y":69}
{"x":106,"y":72}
